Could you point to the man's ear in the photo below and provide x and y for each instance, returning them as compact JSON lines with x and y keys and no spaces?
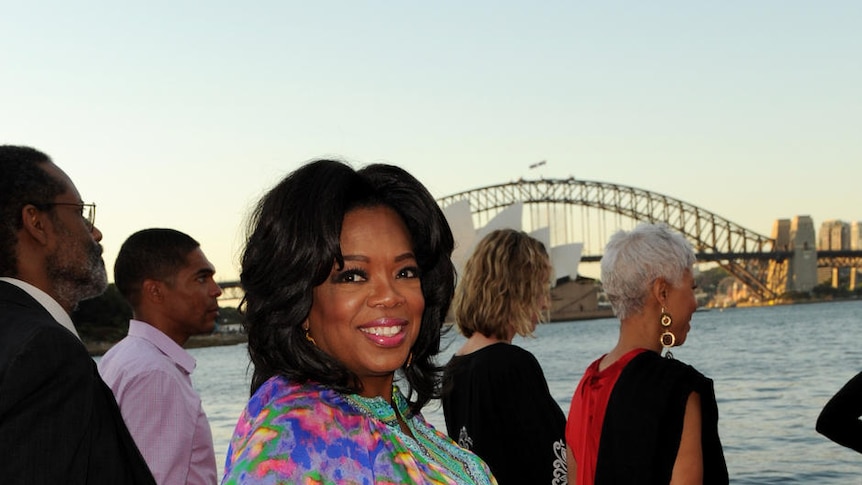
{"x":35,"y":223}
{"x":151,"y":290}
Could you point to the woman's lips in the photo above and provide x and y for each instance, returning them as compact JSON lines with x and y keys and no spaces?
{"x":385,"y":332}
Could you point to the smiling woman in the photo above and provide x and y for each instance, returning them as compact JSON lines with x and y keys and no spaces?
{"x":367,"y":314}
{"x":348,"y":279}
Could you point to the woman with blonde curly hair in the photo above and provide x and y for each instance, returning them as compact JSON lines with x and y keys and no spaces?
{"x":495,"y":398}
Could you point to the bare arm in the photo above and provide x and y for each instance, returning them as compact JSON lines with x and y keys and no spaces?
{"x":571,"y":466}
{"x":688,"y":467}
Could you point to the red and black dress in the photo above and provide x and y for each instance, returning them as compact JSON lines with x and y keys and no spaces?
{"x":625,"y":422}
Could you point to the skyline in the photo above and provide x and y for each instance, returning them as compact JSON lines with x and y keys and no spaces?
{"x":182,"y":116}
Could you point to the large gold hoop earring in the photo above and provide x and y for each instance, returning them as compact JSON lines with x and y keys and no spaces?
{"x":667,"y":338}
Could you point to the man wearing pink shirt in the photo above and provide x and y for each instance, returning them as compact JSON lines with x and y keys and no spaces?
{"x":169,"y":283}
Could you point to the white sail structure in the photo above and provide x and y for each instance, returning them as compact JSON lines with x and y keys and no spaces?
{"x":509,"y":218}
{"x":543,"y":235}
{"x":564,"y":259}
{"x":460,"y":219}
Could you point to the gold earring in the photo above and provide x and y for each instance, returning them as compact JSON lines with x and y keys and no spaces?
{"x":667,"y":338}
{"x":308,"y":336}
{"x":409,"y":360}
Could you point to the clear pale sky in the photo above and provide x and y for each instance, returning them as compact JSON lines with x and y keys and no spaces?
{"x":182,"y":114}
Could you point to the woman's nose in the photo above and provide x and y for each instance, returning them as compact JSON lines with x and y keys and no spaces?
{"x":384,"y":293}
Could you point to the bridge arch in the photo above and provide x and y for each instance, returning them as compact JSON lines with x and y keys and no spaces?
{"x":749,"y":256}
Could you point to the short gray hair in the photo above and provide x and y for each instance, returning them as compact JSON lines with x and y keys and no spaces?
{"x":634,"y":259}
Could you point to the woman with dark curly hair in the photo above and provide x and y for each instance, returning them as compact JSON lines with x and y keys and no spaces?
{"x":347,"y":277}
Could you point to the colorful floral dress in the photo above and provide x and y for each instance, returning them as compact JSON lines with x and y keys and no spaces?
{"x":310,"y":434}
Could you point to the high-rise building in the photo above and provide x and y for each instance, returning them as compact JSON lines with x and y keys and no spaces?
{"x":802,"y":270}
{"x":834,"y":236}
{"x":856,"y":235}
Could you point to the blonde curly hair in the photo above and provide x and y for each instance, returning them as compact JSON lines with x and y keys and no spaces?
{"x":505,"y":285}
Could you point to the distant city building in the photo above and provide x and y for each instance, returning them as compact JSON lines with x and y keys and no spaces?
{"x":799,"y":273}
{"x":781,"y":234}
{"x":802,"y":270}
{"x":834,"y":236}
{"x":778,"y":278}
{"x":856,"y":235}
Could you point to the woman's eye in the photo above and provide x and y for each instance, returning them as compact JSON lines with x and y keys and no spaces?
{"x":409,"y":272}
{"x":350,"y":276}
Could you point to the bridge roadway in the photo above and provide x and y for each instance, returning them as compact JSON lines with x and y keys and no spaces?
{"x":754,"y":259}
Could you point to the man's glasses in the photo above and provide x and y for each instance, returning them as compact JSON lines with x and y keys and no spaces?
{"x":88,"y":211}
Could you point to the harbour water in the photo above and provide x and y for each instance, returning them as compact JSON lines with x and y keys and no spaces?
{"x":774,"y":368}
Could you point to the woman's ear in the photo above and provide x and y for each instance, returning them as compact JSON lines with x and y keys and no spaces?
{"x":660,"y":289}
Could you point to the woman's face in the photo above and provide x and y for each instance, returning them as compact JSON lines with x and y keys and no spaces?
{"x":681,"y":305}
{"x":367,"y":314}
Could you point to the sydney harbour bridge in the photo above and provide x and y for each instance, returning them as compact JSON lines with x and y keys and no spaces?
{"x":588,"y":212}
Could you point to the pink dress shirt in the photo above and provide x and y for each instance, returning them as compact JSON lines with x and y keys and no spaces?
{"x":150,"y":376}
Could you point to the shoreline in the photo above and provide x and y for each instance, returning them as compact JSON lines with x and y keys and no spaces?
{"x":98,"y":348}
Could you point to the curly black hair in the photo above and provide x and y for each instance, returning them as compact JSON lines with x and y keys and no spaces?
{"x":294,"y":236}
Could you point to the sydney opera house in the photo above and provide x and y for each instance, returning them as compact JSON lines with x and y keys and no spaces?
{"x":572,"y":297}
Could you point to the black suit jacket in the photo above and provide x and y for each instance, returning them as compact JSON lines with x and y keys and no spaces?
{"x":59,"y":422}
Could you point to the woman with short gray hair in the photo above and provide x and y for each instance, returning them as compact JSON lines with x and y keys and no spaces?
{"x":637,"y":417}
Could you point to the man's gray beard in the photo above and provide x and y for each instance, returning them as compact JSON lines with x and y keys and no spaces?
{"x":74,"y":284}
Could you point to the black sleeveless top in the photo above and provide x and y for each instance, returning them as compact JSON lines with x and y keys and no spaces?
{"x":643,"y":423}
{"x":497,"y":404}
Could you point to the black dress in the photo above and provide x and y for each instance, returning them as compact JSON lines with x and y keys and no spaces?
{"x":496,"y":403}
{"x":643,"y":423}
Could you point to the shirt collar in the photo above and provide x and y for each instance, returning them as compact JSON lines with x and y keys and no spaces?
{"x":47,"y":302}
{"x":164,"y":343}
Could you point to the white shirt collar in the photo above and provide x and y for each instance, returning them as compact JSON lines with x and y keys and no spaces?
{"x":47,"y":302}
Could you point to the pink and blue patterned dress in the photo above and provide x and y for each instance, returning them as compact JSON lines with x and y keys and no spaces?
{"x":310,"y":434}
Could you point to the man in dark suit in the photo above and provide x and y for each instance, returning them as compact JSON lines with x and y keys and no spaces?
{"x":59,"y":422}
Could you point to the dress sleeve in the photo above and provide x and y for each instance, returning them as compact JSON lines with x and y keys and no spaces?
{"x":839,"y":419}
